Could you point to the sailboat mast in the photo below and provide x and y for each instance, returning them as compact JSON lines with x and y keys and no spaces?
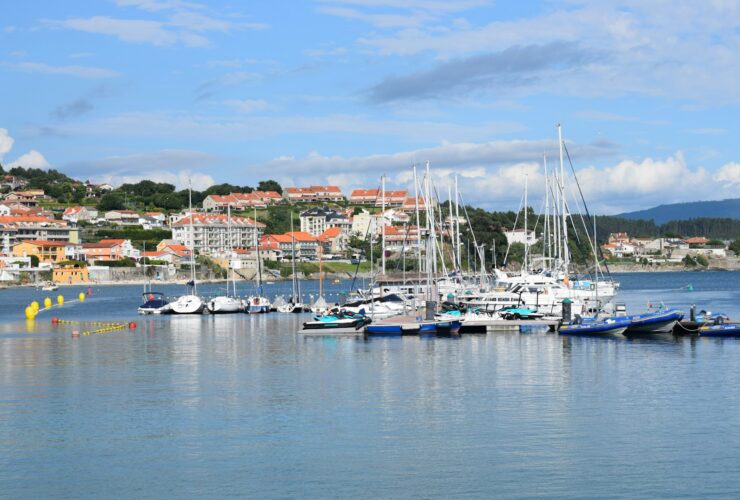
{"x":526,"y":235}
{"x":546,"y":237}
{"x":259,"y":262}
{"x":458,"y":262}
{"x":418,"y":224}
{"x":292,"y":252}
{"x":192,"y":238}
{"x":566,"y":257}
{"x":230,"y":247}
{"x":382,"y":223}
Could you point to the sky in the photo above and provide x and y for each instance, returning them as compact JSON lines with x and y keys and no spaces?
{"x":344,"y":91}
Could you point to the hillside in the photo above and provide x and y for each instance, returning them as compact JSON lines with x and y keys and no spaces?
{"x":661,"y":214}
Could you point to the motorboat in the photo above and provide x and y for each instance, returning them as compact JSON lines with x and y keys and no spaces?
{"x":424,"y":327}
{"x":721,"y":330}
{"x":336,"y":320}
{"x":296,"y":308}
{"x":153,"y":303}
{"x":49,"y":286}
{"x":654,"y":322}
{"x":609,"y":326}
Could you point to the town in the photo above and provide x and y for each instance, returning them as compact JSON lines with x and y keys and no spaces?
{"x":103,"y":237}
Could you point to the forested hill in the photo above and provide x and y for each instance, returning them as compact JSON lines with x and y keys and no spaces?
{"x":712,"y":228}
{"x":729,"y":208}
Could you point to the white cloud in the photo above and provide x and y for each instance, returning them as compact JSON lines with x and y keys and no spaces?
{"x":247,"y":105}
{"x":32,"y":159}
{"x":6,"y":142}
{"x":730,"y":174}
{"x":78,"y":71}
{"x":175,"y":166}
{"x":133,"y":30}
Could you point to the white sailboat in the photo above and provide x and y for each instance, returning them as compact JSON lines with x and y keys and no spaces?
{"x":189,"y":303}
{"x":227,"y":304}
{"x":258,"y":303}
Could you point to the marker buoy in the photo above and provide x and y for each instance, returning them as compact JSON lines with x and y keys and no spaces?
{"x":54,"y":320}
{"x":30,"y":313}
{"x":82,"y":297}
{"x":47,"y":302}
{"x":60,"y":300}
{"x":132,"y":326}
{"x":35,"y":305}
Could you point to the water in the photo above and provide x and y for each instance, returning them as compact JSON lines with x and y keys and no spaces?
{"x":241,"y":405}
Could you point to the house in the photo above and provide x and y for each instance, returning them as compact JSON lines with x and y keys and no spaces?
{"x":28,"y":198}
{"x":394,"y":216}
{"x":392,"y":198}
{"x":113,"y":249}
{"x":520,"y":236}
{"x":152,"y":220}
{"x":94,"y":190}
{"x":306,"y":245}
{"x":334,"y":240}
{"x":364,"y":196}
{"x":410,"y":204}
{"x":70,"y":274}
{"x":313,"y":193}
{"x":4,"y":209}
{"x":122,"y":217}
{"x":403,"y":237}
{"x":48,"y":252}
{"x":697,"y":241}
{"x":12,"y":182}
{"x":75,"y":215}
{"x":215,"y":233}
{"x":619,"y":249}
{"x":364,"y":223}
{"x":316,"y":220}
{"x":17,"y":228}
{"x":241,"y":201}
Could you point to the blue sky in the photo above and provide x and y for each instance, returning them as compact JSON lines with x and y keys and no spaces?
{"x":342,"y":91}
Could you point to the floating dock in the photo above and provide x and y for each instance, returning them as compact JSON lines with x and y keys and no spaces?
{"x":485,"y":325}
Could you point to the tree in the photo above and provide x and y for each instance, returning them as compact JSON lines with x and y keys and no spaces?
{"x":735,"y":246}
{"x":34,"y":261}
{"x":111,"y":201}
{"x":702,"y":261}
{"x":270,"y":185}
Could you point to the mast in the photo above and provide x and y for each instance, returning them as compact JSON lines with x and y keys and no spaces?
{"x":382,"y":222}
{"x":566,"y":257}
{"x":292,"y":251}
{"x":192,"y":239}
{"x":546,"y":236}
{"x":451,"y":226}
{"x":418,"y":224}
{"x":526,"y":235}
{"x":259,"y":262}
{"x":458,"y":263}
{"x":230,"y":248}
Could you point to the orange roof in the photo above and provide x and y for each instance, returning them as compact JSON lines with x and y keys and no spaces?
{"x":180,"y":250}
{"x":45,"y":243}
{"x":25,"y":218}
{"x":330,"y":233}
{"x":301,"y":236}
{"x":114,"y":242}
{"x":152,"y":254}
{"x":365,"y":192}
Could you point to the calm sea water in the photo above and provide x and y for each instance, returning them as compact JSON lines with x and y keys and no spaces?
{"x":242,"y":405}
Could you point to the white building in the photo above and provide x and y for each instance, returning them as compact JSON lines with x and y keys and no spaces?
{"x":520,"y":236}
{"x":210,"y":232}
{"x":122,"y":217}
{"x":317,"y":220}
{"x":77,"y":214}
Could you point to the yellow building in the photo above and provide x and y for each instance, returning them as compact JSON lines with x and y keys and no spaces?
{"x":70,"y":274}
{"x":46,"y":251}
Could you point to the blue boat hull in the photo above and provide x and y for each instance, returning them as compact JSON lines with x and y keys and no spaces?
{"x":727,"y":330}
{"x":662,"y":322}
{"x":442,"y":327}
{"x":609,"y":327}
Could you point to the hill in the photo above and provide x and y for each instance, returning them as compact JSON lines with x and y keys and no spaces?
{"x":661,"y":214}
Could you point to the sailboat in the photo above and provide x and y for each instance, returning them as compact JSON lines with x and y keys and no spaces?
{"x":258,"y":303}
{"x":225,"y":304}
{"x":319,"y":305}
{"x":295,"y":305}
{"x":153,"y":302}
{"x":189,"y":303}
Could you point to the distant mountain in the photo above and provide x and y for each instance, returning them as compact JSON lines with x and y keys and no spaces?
{"x":661,"y":214}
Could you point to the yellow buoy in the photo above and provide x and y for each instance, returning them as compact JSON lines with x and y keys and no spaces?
{"x":30,"y":313}
{"x":35,"y":305}
{"x":47,"y":302}
{"x":60,"y":300}
{"x":82,"y":297}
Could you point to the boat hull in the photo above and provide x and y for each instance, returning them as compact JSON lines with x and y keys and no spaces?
{"x":187,"y":304}
{"x":225,"y":305}
{"x":614,"y":328}
{"x":662,"y":322}
{"x":726,"y":330}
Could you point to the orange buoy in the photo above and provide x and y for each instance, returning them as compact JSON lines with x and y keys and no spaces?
{"x":54,"y":320}
{"x":132,"y":326}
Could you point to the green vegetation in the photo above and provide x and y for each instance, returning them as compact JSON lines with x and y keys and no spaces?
{"x":712,"y":228}
{"x":125,"y":262}
{"x":735,"y":246}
